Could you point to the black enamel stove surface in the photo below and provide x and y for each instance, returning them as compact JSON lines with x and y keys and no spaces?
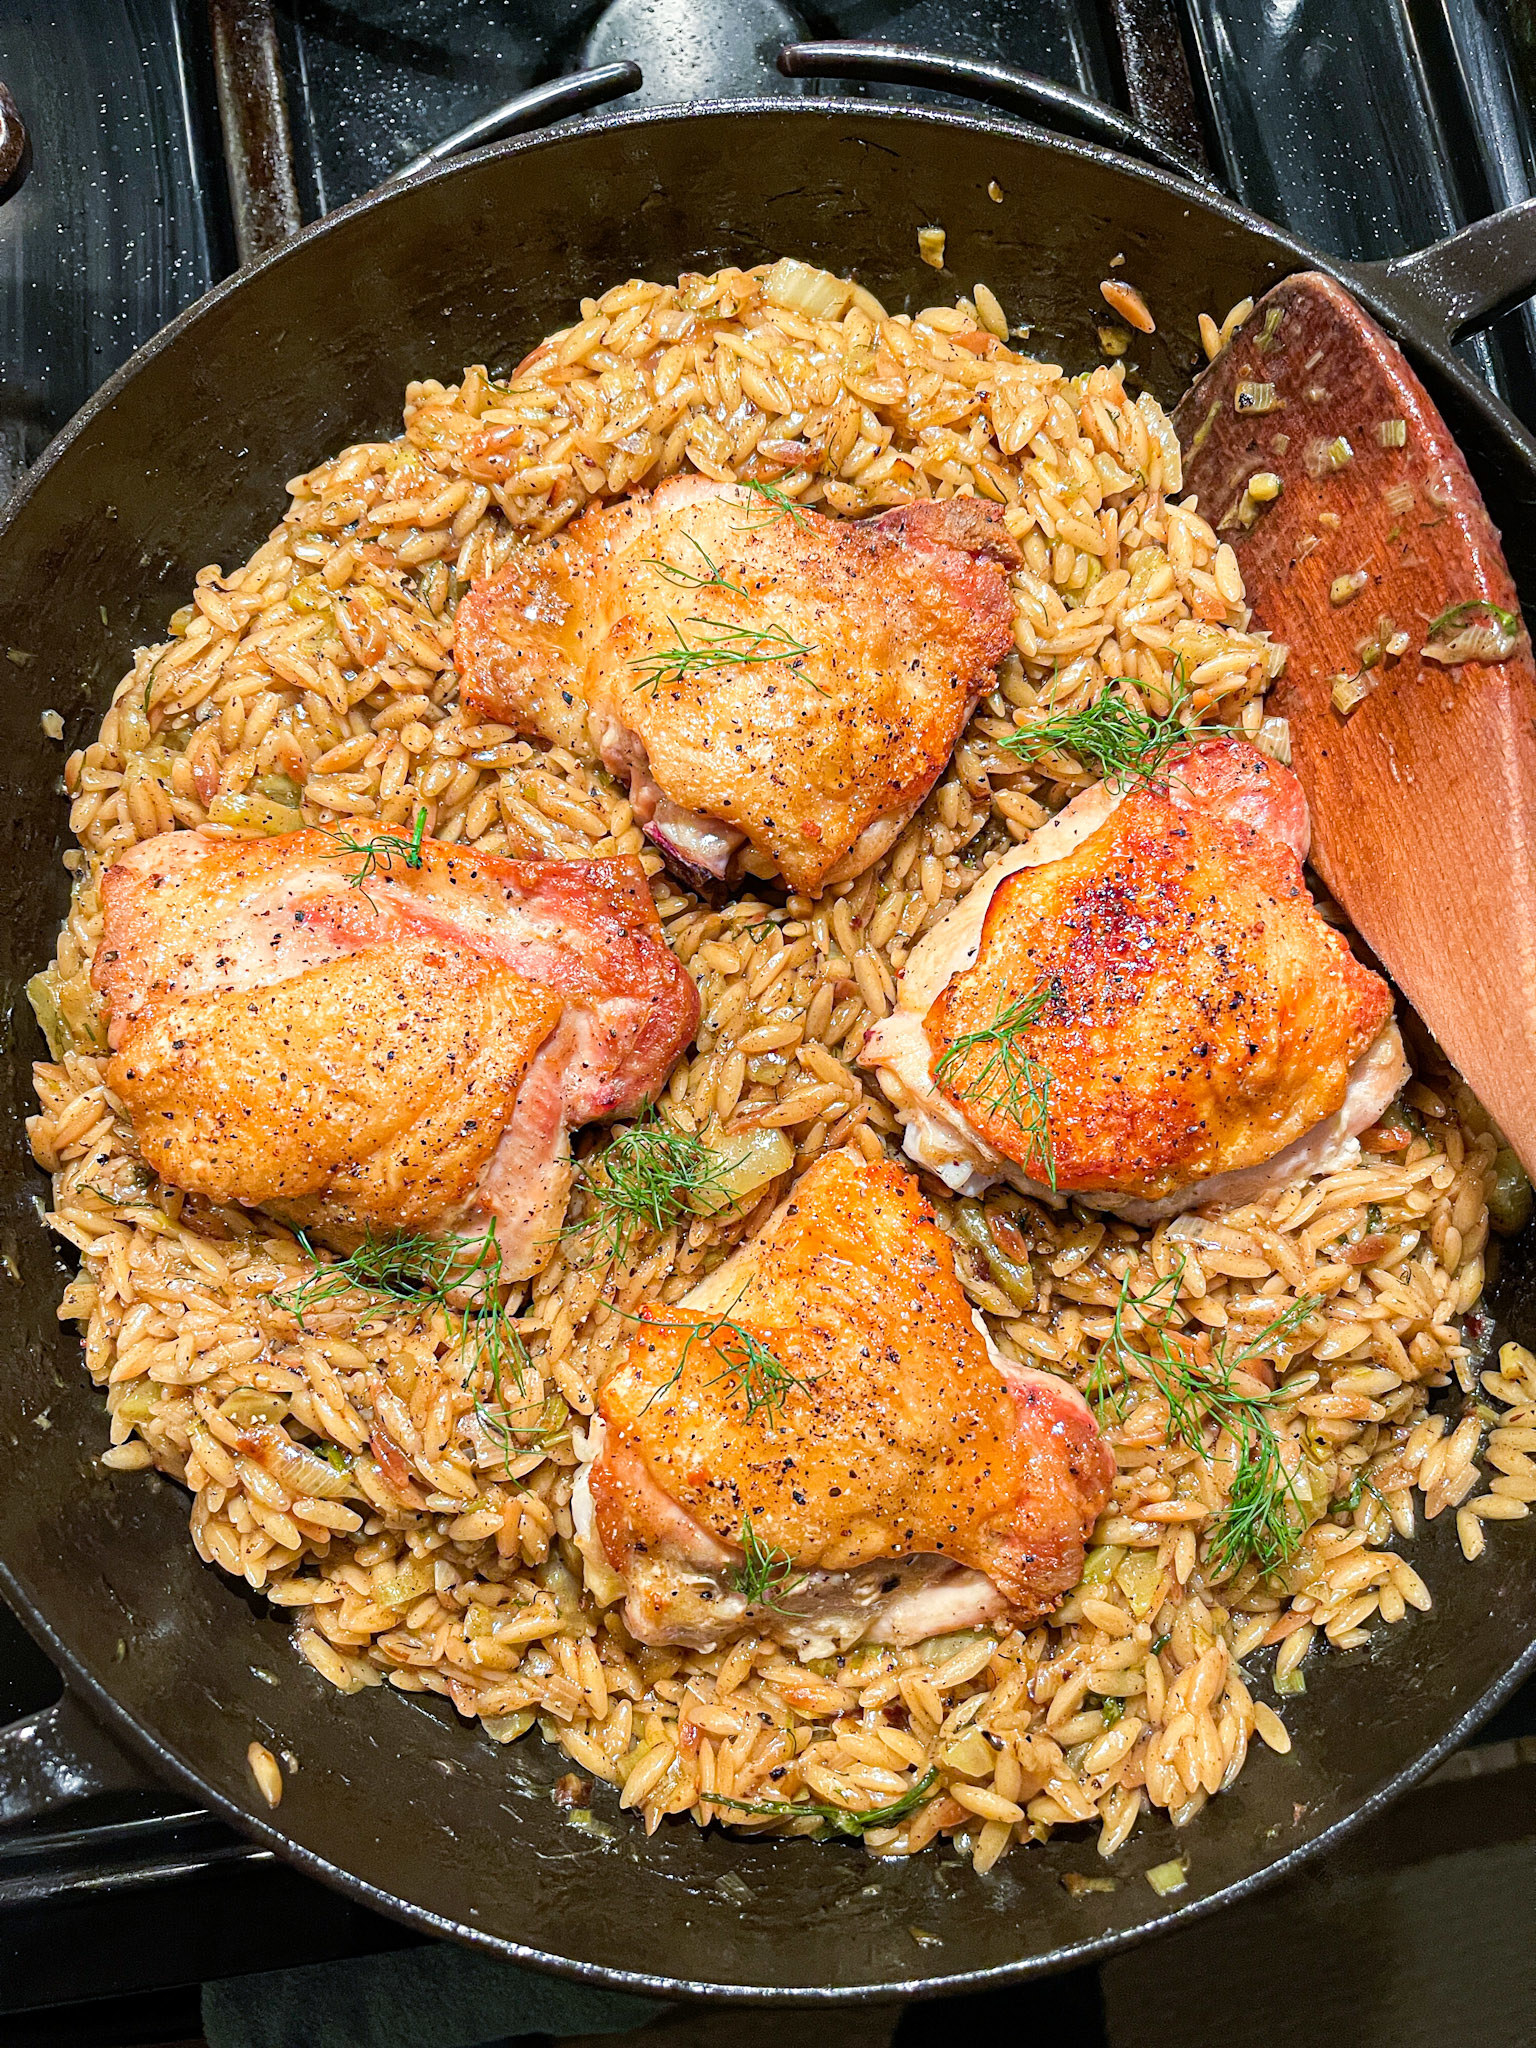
{"x":1366,"y":126}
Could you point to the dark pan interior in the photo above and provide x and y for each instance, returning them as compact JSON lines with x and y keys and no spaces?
{"x":182,"y":463}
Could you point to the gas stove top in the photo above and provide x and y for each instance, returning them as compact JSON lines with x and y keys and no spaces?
{"x":1368,"y":128}
{"x":170,"y":137}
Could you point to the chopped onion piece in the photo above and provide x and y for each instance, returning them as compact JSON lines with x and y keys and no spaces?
{"x":745,"y":1162}
{"x":600,"y":1580}
{"x":970,"y":1754}
{"x":1392,"y":433}
{"x":1140,"y":1576}
{"x":280,"y":789}
{"x":297,"y":1467}
{"x":1345,"y":589}
{"x":1398,"y":498}
{"x":1474,"y":631}
{"x":800,"y":288}
{"x":1348,"y":691}
{"x":1168,"y":1877}
{"x":930,"y":246}
{"x":253,"y":813}
{"x":1160,"y":427}
{"x":50,"y":1018}
{"x":1100,"y":1564}
{"x":1340,"y":454}
{"x":411,"y":1581}
{"x":1252,"y":397}
{"x":249,"y":1405}
{"x":1274,"y":738}
{"x":507,"y":1727}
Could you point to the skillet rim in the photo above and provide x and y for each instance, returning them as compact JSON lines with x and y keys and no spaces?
{"x":139,"y":1739}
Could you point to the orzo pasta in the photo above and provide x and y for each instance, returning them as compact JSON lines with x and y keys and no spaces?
{"x":315,"y":685}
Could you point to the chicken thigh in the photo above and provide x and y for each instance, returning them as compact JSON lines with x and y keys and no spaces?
{"x":1142,"y":1007}
{"x":780,"y":690}
{"x":399,"y":1041}
{"x":821,"y":1442}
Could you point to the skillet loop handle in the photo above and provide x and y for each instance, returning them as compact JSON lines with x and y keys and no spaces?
{"x":538,"y":108}
{"x":1456,"y":287}
{"x":56,"y":1758}
{"x":998,"y":85}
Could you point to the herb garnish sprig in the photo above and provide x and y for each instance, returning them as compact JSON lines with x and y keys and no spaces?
{"x":1007,"y":1080}
{"x":646,"y":1179}
{"x":429,"y":1274}
{"x":409,"y":1267}
{"x":839,"y":1819}
{"x":765,"y":1576}
{"x":690,"y":579}
{"x":1125,"y":745}
{"x":783,"y":504}
{"x":1258,"y":1521}
{"x":378,"y":852}
{"x":757,"y":1375}
{"x":717,"y":643}
{"x":1455,"y":636}
{"x":1348,"y":1502}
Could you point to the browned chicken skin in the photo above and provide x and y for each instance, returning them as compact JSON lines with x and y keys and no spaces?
{"x":1197,"y":1028}
{"x":407,"y":1053}
{"x":780,"y":689}
{"x":906,"y":1478}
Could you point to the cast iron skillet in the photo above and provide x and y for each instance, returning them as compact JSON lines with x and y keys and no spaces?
{"x":180,"y":461}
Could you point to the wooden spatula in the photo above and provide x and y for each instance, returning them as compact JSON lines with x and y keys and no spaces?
{"x":1421,"y":776}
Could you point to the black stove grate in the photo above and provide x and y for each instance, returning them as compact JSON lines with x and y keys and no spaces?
{"x":1368,"y":129}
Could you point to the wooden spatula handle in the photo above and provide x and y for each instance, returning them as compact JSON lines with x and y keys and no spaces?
{"x":1424,"y":795}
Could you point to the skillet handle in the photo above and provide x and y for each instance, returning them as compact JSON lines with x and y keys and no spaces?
{"x":58,"y":1757}
{"x":573,"y":93}
{"x":999,"y":85}
{"x":1457,"y":286}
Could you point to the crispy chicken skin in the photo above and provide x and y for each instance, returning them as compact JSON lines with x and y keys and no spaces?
{"x":1202,"y":1030}
{"x":912,"y":1478}
{"x":407,"y":1053}
{"x":845,"y":657}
